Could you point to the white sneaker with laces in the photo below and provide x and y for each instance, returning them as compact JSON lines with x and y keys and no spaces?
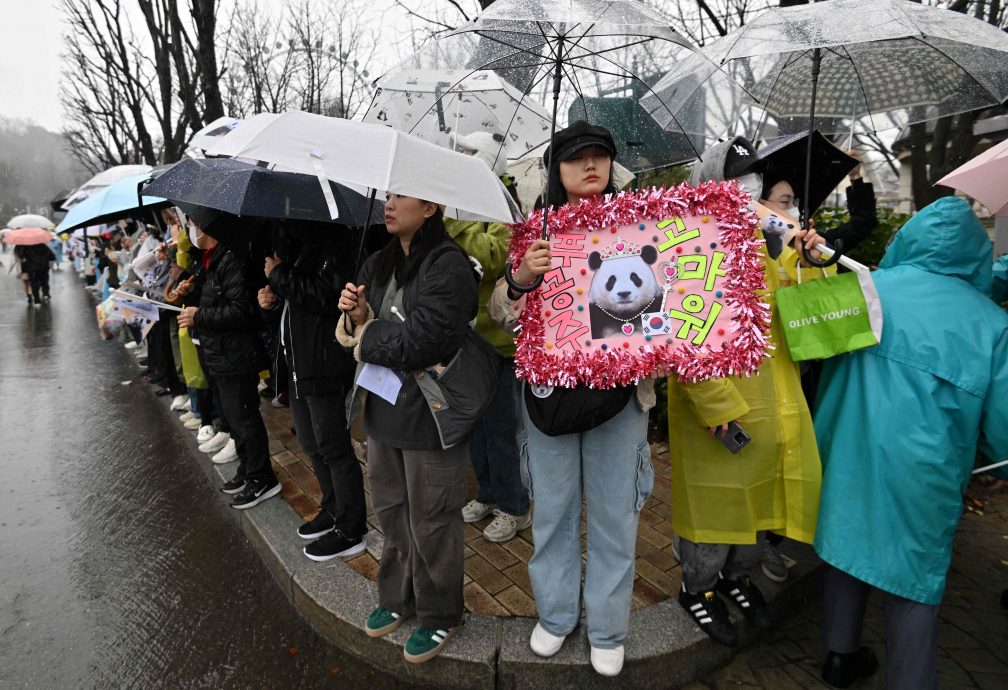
{"x":186,"y":416}
{"x":228,"y":453}
{"x":180,"y":402}
{"x":474,"y":510}
{"x":205,"y":433}
{"x":543,"y":643}
{"x":607,"y":662}
{"x":192,"y":424}
{"x":505,"y":526}
{"x":216,"y":442}
{"x":131,"y":345}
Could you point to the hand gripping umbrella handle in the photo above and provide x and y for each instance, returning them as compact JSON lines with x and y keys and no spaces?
{"x":837,"y":254}
{"x":516,"y":286}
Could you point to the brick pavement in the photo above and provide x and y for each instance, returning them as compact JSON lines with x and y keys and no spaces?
{"x":974,"y":628}
{"x":496,"y":575}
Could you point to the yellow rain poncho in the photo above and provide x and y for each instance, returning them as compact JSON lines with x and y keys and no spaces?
{"x":771,"y":484}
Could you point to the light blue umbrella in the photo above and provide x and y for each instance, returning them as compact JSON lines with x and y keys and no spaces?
{"x":109,"y":204}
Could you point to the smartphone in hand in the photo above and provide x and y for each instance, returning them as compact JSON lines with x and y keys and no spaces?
{"x":735,"y":439}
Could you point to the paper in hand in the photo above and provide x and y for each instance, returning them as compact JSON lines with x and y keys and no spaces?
{"x":381,"y":381}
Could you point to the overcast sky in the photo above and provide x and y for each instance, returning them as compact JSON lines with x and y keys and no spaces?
{"x":30,"y":45}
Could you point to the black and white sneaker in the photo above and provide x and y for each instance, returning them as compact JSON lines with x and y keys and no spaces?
{"x":233,"y":485}
{"x":334,"y":545}
{"x":744,"y":594}
{"x":255,"y":493}
{"x":710,"y":613}
{"x":322,"y":523}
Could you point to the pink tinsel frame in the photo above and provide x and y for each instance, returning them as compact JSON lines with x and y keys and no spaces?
{"x":744,"y":285}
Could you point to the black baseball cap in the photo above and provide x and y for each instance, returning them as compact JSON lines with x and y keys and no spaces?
{"x":577,"y":136}
{"x":741,"y":159}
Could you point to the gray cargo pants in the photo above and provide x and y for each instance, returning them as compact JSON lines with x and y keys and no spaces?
{"x":417,"y":496}
{"x":702,"y":562}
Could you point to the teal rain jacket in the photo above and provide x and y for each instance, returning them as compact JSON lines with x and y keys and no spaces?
{"x":898,"y":425}
{"x":1000,"y":287}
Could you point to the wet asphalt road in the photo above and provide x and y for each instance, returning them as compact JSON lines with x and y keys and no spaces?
{"x":119,"y":563}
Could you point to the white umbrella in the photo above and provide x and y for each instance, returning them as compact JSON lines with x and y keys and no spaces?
{"x":365,"y":155}
{"x":220,"y":127}
{"x":30,"y":220}
{"x":102,"y":180}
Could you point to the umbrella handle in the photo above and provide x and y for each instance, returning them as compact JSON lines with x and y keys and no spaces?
{"x":837,"y":253}
{"x":518,"y":287}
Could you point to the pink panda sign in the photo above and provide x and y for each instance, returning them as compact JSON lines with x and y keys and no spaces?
{"x":644,"y":283}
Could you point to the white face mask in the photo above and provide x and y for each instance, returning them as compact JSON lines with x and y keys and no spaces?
{"x":752,"y":183}
{"x":794,"y":212}
{"x":192,"y":235}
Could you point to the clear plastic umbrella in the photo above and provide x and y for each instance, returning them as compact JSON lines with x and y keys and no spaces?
{"x":103,"y":180}
{"x":585,"y":59}
{"x":436,"y":104}
{"x":820,"y":65}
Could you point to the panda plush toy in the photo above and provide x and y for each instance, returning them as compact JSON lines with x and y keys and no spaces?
{"x":623,"y":287}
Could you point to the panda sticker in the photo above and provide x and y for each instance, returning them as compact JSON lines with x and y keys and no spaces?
{"x":623,"y":288}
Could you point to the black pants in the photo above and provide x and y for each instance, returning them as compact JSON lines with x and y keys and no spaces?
{"x":321,"y":428}
{"x":239,"y":401}
{"x":39,"y":284}
{"x":160,"y":360}
{"x":911,"y":630}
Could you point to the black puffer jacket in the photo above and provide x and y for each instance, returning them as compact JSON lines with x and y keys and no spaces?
{"x":439,"y":301}
{"x":310,"y":280}
{"x":227,"y":323}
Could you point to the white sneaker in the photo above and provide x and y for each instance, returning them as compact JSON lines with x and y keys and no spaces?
{"x":216,"y":442}
{"x":186,"y":416}
{"x":205,"y":433}
{"x":544,"y":643}
{"x":227,"y":454}
{"x":192,"y":424}
{"x":607,"y":662}
{"x":505,"y":526}
{"x":131,"y":345}
{"x":474,"y":510}
{"x":179,"y":403}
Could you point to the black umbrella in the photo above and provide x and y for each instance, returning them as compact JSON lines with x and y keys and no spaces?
{"x":243,"y":189}
{"x":785,"y":159}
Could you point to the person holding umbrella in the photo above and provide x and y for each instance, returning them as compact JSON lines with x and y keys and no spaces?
{"x":226,"y":324}
{"x":494,"y":445}
{"x":305,"y":279}
{"x":723,"y":502}
{"x":408,"y":311}
{"x":609,"y":457}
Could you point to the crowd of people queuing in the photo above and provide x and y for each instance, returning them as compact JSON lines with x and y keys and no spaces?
{"x":874,"y":480}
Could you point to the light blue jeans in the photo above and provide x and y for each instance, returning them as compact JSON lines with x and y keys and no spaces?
{"x":612,"y":462}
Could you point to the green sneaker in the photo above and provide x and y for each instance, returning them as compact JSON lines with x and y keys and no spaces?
{"x":426,"y":643}
{"x":382,"y":621}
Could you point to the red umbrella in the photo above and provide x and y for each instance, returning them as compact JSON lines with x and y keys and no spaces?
{"x":25,"y":236}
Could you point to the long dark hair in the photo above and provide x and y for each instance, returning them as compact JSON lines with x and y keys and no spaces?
{"x":431,"y":234}
{"x":557,"y":192}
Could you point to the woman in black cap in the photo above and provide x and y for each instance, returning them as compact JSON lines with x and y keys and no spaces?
{"x":581,"y":437}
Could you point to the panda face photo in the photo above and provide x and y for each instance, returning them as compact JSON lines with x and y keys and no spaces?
{"x":623,"y":287}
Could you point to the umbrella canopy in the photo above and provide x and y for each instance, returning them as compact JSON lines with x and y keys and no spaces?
{"x":243,"y":189}
{"x":435,"y":104}
{"x":30,"y":220}
{"x":102,"y":180}
{"x":116,"y":201}
{"x":985,"y":178}
{"x":212,"y":132}
{"x":882,"y":56}
{"x":26,"y":236}
{"x":785,"y":159}
{"x":585,"y":59}
{"x":364,"y":155}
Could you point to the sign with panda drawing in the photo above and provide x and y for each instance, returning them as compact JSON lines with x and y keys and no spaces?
{"x":643,"y":283}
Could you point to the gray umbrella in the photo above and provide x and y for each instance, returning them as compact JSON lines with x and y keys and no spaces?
{"x":812,"y":66}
